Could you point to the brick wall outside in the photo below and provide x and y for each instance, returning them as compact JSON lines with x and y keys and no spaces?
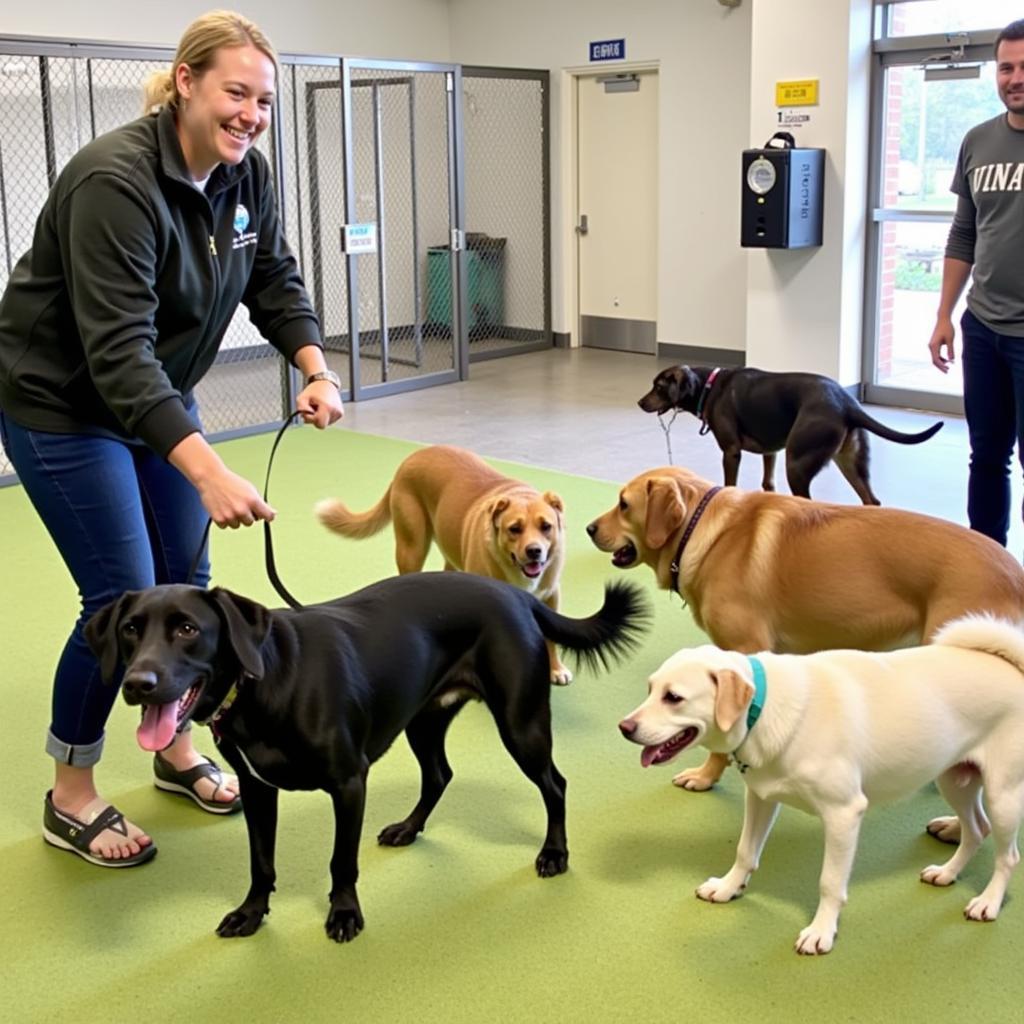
{"x":893,"y":113}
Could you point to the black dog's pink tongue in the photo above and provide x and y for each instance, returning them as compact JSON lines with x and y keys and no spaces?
{"x":159,"y":723}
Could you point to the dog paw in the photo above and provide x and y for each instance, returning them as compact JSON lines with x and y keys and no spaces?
{"x":946,"y":829}
{"x":241,"y":922}
{"x":343,"y":924}
{"x":815,"y":940}
{"x":983,"y":908}
{"x":399,"y":834}
{"x":938,"y":874}
{"x":560,"y":676}
{"x":551,"y":861}
{"x":693,"y":780}
{"x":717,"y":890}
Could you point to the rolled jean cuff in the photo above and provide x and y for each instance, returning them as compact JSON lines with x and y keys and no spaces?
{"x":78,"y":755}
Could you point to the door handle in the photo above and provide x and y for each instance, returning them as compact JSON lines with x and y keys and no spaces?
{"x":582,"y":228}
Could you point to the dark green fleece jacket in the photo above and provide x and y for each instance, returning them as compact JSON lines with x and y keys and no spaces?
{"x":119,"y":307}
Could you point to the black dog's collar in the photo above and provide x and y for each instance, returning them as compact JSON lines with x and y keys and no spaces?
{"x":702,"y":401}
{"x":690,"y":526}
{"x":225,"y":705}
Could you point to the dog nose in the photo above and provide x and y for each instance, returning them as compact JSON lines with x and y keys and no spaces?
{"x":139,"y":683}
{"x":627,"y":727}
{"x":534,"y":552}
{"x":591,"y":529}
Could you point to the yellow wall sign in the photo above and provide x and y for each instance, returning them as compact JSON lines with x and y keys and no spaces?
{"x":797,"y":94}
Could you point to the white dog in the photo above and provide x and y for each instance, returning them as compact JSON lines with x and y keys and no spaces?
{"x":830,"y":732}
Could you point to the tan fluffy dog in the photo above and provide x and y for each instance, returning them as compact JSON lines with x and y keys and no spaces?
{"x":831,"y":732}
{"x":482,"y":522}
{"x":772,"y":572}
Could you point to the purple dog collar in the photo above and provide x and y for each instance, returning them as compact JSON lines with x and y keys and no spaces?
{"x":690,"y":526}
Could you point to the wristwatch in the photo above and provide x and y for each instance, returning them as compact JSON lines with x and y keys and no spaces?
{"x":325,"y":375}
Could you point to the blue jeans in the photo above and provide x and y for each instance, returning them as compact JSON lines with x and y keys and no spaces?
{"x":122,"y":519}
{"x":994,"y":404}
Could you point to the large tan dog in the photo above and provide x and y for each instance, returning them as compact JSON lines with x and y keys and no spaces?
{"x":482,"y":522}
{"x":770,"y":572}
{"x":830,"y":733}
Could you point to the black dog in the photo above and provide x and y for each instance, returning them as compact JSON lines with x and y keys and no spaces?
{"x":812,"y":417}
{"x":309,"y":699}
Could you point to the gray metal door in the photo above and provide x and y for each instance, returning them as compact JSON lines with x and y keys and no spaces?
{"x":404,"y":321}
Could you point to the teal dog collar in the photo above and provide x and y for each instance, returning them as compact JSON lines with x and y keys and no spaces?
{"x":760,"y":691}
{"x":756,"y":704}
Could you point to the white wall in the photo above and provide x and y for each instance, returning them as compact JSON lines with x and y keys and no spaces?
{"x":805,"y":307}
{"x":399,"y":29}
{"x":703,"y":53}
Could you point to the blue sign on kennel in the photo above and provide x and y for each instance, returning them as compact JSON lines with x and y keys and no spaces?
{"x":608,"y":49}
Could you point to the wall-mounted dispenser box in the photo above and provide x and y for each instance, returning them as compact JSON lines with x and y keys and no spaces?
{"x":783,"y":198}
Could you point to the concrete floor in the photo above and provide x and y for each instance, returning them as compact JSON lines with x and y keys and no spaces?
{"x":575,"y":410}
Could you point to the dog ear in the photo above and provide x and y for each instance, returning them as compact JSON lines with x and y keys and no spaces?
{"x":247,"y":626}
{"x":665,"y":511}
{"x":677,"y":377}
{"x":496,"y":507}
{"x":733,"y":695}
{"x":690,"y":385}
{"x":100,"y":633}
{"x":556,"y":503}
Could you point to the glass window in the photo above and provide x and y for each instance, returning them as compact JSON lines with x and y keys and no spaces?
{"x":925,"y":122}
{"x":927,"y":17}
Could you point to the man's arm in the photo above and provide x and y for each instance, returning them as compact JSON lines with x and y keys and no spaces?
{"x":955,"y":274}
{"x":956,"y":271}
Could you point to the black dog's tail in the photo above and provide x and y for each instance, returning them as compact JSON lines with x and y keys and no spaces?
{"x":607,"y":635}
{"x":862,"y":419}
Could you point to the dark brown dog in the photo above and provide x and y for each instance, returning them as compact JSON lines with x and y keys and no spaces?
{"x":310,"y":698}
{"x":810,"y":416}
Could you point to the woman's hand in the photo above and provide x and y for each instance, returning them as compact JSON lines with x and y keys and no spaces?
{"x":229,"y":499}
{"x":320,"y":404}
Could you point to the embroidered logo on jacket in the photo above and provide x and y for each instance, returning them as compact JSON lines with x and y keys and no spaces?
{"x":242,"y":237}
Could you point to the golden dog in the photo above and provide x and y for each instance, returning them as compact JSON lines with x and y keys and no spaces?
{"x":483,"y":523}
{"x":771,"y":572}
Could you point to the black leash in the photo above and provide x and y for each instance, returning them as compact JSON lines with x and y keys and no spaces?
{"x":194,"y":567}
{"x":268,"y":543}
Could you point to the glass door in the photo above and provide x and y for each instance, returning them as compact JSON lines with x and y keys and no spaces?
{"x":936,"y":80}
{"x":925,"y":121}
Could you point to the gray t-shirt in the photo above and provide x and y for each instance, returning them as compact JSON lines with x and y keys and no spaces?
{"x":988,"y":228}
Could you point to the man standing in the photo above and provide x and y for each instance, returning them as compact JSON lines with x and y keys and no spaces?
{"x":987,"y":236}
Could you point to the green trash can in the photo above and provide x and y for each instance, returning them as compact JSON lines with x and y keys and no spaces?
{"x":485,"y":272}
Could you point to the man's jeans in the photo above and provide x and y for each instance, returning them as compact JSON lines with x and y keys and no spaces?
{"x":994,"y":404}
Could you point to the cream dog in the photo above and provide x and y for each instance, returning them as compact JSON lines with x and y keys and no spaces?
{"x":830,"y":733}
{"x":483,"y":522}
